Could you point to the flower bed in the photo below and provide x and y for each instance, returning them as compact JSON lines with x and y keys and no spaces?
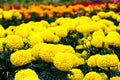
{"x":50,"y":13}
{"x":74,"y":49}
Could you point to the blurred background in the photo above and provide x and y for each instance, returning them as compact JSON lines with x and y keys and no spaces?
{"x":46,"y":1}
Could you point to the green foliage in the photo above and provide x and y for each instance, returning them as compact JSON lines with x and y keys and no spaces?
{"x":6,"y":23}
{"x":70,"y":39}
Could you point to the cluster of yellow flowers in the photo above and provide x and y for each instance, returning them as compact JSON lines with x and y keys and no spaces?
{"x":105,"y":62}
{"x":77,"y":74}
{"x":111,"y":14}
{"x":95,"y":76}
{"x":9,"y":14}
{"x":61,"y":56}
{"x":37,"y":34}
{"x":115,"y":78}
{"x":65,"y":61}
{"x":99,"y":28}
{"x":108,"y":62}
{"x":92,"y":60}
{"x":45,"y":32}
{"x":26,"y":74}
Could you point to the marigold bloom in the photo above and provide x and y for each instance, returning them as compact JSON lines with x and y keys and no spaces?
{"x":89,"y":76}
{"x":77,"y":74}
{"x":14,"y":42}
{"x":21,"y":57}
{"x":63,"y":61}
{"x":26,"y":74}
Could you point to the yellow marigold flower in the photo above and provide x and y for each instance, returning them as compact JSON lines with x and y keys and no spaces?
{"x":23,"y":30}
{"x":44,"y":23}
{"x":84,"y":53}
{"x":79,"y":47}
{"x":77,"y":74}
{"x":92,"y":61}
{"x":14,"y":42}
{"x":56,"y":39}
{"x":87,"y":8}
{"x":115,"y":78}
{"x":17,"y":15}
{"x":26,"y":74}
{"x":118,"y":18}
{"x":118,"y":28}
{"x":2,"y":40}
{"x":106,"y":22}
{"x":31,"y":78}
{"x":86,"y":40}
{"x":4,"y":33}
{"x":107,"y":30}
{"x":60,"y":31}
{"x":48,"y":36}
{"x":21,"y":57}
{"x":31,"y":23}
{"x":48,"y":52}
{"x":119,"y":66}
{"x":35,"y":38}
{"x":81,"y":28}
{"x":92,"y":76}
{"x":60,"y":21}
{"x":95,"y":18}
{"x":39,"y":28}
{"x":36,"y":49}
{"x":30,"y":51}
{"x":88,"y":44}
{"x":63,"y":61}
{"x":104,"y":76}
{"x":71,"y":26}
{"x":83,"y":19}
{"x":11,"y":28}
{"x":81,"y":61}
{"x":100,"y":25}
{"x":114,"y":16}
{"x":78,"y":55}
{"x":53,"y":24}
{"x":107,"y":61}
{"x":8,"y":32}
{"x":89,"y":38}
{"x":113,"y":38}
{"x":77,"y":61}
{"x":97,"y":41}
{"x":108,"y":14}
{"x":7,"y":15}
{"x":113,"y":27}
{"x":88,"y":27}
{"x":98,"y":33}
{"x":66,"y":48}
{"x":101,"y":14}
{"x":1,"y":10}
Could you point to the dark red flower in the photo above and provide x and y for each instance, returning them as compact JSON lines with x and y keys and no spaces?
{"x":0,"y":6}
{"x":66,"y":6}
{"x":18,"y":7}
{"x":10,"y":7}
